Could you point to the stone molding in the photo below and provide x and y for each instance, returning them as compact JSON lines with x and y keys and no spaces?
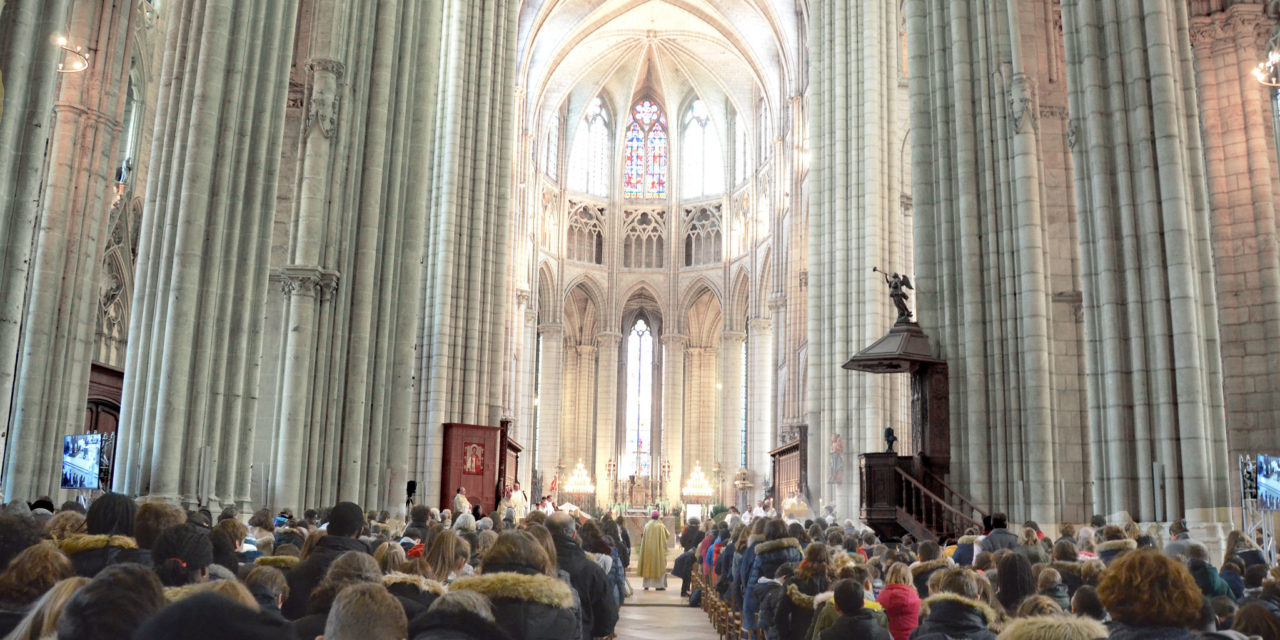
{"x":306,"y":281}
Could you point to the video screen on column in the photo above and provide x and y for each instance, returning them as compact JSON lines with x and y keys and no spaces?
{"x":1269,"y":482}
{"x":80,"y":460}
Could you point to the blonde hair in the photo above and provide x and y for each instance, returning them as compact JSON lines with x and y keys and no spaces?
{"x":390,"y":557}
{"x":898,"y":573}
{"x":64,"y":524}
{"x":233,"y":590}
{"x":1029,"y":537}
{"x":365,"y":611}
{"x":42,"y":618}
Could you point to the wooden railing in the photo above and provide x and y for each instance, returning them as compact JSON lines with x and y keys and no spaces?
{"x":930,"y":510}
{"x":955,"y":498}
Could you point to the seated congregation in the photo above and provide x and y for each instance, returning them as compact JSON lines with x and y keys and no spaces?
{"x":774,"y":580}
{"x":150,"y":571}
{"x":121,"y":570}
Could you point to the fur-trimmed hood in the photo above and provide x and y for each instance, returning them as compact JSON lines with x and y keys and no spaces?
{"x":174,"y":594}
{"x":423,"y":584}
{"x":967,"y":540}
{"x":1117,"y":546}
{"x":283,"y":563}
{"x":920,"y":568}
{"x":777,"y":545}
{"x":799,"y":598}
{"x":953,"y":599}
{"x":1059,"y":627}
{"x":539,"y":589}
{"x":86,"y":542}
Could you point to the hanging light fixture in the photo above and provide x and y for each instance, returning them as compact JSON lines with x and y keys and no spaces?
{"x":697,"y":486}
{"x":579,"y":482}
{"x":1268,"y":71}
{"x":79,"y":57}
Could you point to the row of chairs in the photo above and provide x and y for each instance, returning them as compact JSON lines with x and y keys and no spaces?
{"x":726,"y":620}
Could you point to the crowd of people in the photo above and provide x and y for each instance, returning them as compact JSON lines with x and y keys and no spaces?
{"x":121,"y":570}
{"x":823,"y":580}
{"x":149,"y":571}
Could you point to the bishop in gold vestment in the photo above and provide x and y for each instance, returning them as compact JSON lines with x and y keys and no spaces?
{"x":653,"y":553}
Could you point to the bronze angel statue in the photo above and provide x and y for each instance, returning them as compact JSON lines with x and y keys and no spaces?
{"x":898,"y":283}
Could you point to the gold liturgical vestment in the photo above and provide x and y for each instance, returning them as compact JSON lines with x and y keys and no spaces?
{"x":653,"y":555}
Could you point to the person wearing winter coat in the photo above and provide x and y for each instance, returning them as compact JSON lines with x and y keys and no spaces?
{"x":1049,"y":584}
{"x":458,"y":615}
{"x":108,"y":537}
{"x":599,"y":609}
{"x":966,"y":548}
{"x":901,"y":601}
{"x":1139,"y":611}
{"x":1059,"y":627}
{"x":768,"y":592}
{"x":345,"y":523}
{"x":930,"y":561}
{"x":855,"y":620}
{"x":1114,"y":544}
{"x":828,"y":612}
{"x":1232,"y":572}
{"x":691,"y":536}
{"x":1029,"y":547}
{"x":956,"y":610}
{"x":351,"y":568}
{"x":529,"y":602}
{"x":796,"y":608}
{"x":748,"y":553}
{"x":776,"y":549}
{"x":1000,"y":537}
{"x":1205,"y":574}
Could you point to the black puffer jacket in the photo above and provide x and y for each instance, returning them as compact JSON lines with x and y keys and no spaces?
{"x":454,"y":625}
{"x":305,"y":577}
{"x":92,"y":553}
{"x":796,"y":609}
{"x":948,"y":616}
{"x":599,"y":610}
{"x":690,"y":538}
{"x":861,"y":625}
{"x":528,"y":605}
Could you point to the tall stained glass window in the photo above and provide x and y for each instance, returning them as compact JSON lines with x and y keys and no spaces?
{"x":589,"y":155}
{"x":703,"y":165}
{"x":637,"y":459}
{"x":645,"y":156}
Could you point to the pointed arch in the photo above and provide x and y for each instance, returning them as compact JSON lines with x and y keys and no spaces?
{"x":548,"y":303}
{"x":738,"y":306}
{"x":582,"y":321}
{"x":764,"y":288}
{"x":693,"y":289}
{"x":592,"y":287}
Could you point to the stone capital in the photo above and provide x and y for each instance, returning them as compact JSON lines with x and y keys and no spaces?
{"x":608,"y":339}
{"x":759,"y":324}
{"x":551,"y":327}
{"x":733,"y":336}
{"x":586,"y":349}
{"x":306,"y":280}
{"x":675,"y":340}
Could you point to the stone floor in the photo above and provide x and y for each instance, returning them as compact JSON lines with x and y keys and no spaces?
{"x":662,"y":615}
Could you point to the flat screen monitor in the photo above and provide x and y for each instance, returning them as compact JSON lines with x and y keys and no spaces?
{"x":1268,"y":482}
{"x":81,"y":459}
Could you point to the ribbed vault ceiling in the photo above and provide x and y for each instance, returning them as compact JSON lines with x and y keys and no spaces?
{"x":720,"y":50}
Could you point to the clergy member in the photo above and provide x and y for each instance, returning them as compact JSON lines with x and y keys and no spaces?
{"x":653,"y":554}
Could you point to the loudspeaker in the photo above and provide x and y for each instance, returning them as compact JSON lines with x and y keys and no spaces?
{"x":411,"y":488}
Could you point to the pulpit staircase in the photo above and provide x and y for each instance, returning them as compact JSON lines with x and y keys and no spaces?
{"x":900,"y":495}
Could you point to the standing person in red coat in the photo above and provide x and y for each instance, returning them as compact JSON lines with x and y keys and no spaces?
{"x":901,"y":602}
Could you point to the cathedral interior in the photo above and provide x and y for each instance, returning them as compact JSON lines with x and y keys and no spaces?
{"x":270,"y":248}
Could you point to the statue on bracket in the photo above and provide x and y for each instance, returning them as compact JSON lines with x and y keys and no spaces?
{"x":898,"y":284}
